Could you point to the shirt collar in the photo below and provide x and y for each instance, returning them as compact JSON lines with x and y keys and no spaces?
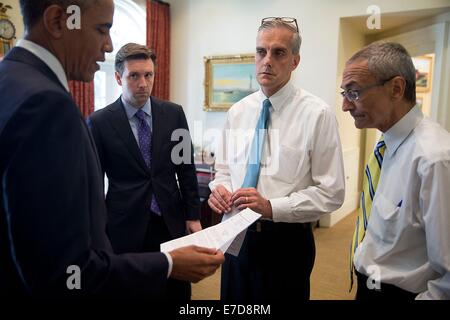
{"x":131,"y":110}
{"x":48,"y":58}
{"x":401,"y":130}
{"x":278,"y":100}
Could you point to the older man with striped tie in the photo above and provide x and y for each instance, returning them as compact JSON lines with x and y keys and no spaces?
{"x":401,"y":244}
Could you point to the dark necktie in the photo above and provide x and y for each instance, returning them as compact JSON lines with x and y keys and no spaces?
{"x":145,"y":145}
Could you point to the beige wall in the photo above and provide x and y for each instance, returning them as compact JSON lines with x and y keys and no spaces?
{"x":350,"y":41}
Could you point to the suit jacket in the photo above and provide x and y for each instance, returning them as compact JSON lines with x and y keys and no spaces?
{"x":52,"y":210}
{"x":132,"y":183}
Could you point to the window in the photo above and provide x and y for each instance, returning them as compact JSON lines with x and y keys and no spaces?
{"x":129,"y":26}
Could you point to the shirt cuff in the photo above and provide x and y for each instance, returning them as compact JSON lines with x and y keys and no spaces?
{"x":280,"y":208}
{"x":170,"y":261}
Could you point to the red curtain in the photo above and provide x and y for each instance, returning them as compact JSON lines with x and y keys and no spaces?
{"x":158,"y":39}
{"x":83,"y":94}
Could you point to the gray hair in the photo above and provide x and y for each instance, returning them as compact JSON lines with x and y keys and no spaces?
{"x":296,"y":38}
{"x":387,"y":60}
{"x":33,"y":10}
{"x":132,"y":51}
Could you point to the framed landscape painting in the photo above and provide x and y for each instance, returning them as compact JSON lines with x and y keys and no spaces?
{"x":228,"y":79}
{"x":423,"y":65}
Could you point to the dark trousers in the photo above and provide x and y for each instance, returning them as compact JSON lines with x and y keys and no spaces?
{"x":158,"y":233}
{"x":275,"y":262}
{"x":386,"y":291}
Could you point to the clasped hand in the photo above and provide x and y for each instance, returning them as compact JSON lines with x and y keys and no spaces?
{"x":221,"y":201}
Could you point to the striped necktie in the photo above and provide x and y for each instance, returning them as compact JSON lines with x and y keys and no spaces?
{"x":254,"y":158}
{"x":371,"y":177}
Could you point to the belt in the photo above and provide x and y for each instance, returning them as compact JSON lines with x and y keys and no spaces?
{"x":267,"y":225}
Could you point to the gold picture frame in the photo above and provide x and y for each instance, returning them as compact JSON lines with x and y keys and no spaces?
{"x":228,"y":79}
{"x":424,"y":67}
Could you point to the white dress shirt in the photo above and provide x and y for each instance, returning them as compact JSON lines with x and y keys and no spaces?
{"x":48,"y":58}
{"x":408,"y":234}
{"x":302,"y":172}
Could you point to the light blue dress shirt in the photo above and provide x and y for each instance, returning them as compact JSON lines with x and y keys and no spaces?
{"x":131,"y":112}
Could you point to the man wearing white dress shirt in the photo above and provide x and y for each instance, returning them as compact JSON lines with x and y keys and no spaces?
{"x":405,"y":251}
{"x":299,"y":177}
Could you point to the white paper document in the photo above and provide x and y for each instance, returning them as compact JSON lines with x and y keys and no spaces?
{"x":221,"y":236}
{"x":234,"y":246}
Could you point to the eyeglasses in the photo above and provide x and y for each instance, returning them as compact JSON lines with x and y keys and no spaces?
{"x":354,"y":94}
{"x":287,"y":20}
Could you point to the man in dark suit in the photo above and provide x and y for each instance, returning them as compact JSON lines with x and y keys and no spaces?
{"x":150,"y":199}
{"x":52,"y":210}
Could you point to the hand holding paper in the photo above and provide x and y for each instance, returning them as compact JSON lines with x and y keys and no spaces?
{"x":194,"y":263}
{"x":219,"y":236}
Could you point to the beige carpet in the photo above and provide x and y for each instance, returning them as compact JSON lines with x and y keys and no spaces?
{"x":329,"y":280}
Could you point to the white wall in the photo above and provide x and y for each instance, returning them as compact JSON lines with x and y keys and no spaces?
{"x":202,"y":28}
{"x":214,"y":27}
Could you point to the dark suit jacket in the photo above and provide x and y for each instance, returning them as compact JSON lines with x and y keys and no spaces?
{"x":132,"y":183}
{"x":52,"y":210}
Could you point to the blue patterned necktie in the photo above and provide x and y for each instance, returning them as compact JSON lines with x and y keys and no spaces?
{"x":254,"y":158}
{"x":145,"y":145}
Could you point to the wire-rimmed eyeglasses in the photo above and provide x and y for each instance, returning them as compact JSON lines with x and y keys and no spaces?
{"x":354,"y":94}
{"x":288,"y":20}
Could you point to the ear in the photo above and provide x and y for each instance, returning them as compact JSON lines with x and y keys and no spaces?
{"x":398,"y":87}
{"x":118,"y":78}
{"x":296,"y":62}
{"x":54,"y":19}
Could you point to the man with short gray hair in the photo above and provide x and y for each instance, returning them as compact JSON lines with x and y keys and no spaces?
{"x":289,"y":169}
{"x":401,"y":244}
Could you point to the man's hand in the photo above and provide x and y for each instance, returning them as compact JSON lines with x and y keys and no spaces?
{"x":250,"y":198}
{"x":220,"y":200}
{"x":194,"y":263}
{"x":193,"y":226}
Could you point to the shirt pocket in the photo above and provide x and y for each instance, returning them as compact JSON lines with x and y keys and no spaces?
{"x":288,"y":164}
{"x":384,"y":221}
